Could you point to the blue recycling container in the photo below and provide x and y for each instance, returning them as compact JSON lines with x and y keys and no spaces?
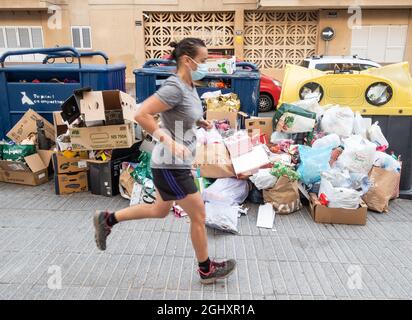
{"x":43,"y":87}
{"x":244,"y":82}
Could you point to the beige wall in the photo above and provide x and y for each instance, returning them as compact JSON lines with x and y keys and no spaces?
{"x":408,"y":49}
{"x":341,"y":44}
{"x":338,"y":4}
{"x":342,"y":41}
{"x":114,"y":30}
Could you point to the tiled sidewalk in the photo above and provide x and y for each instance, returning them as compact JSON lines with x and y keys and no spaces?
{"x":42,"y":234}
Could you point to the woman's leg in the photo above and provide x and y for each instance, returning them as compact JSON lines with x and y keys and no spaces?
{"x":159,"y":209}
{"x":209,"y":271}
{"x":194,"y":206}
{"x":104,"y":221}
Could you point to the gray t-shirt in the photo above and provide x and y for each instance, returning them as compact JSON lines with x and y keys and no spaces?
{"x":179,"y":121}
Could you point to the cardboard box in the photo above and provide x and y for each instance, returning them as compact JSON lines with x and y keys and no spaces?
{"x":221,"y":65}
{"x":259,"y":126}
{"x":67,"y":183}
{"x":76,"y":163}
{"x":103,"y":137}
{"x":110,"y":106}
{"x":27,"y":125}
{"x":221,"y":115}
{"x":34,"y":172}
{"x":214,"y":161}
{"x":239,"y":143}
{"x":59,"y":126}
{"x":323,"y":214}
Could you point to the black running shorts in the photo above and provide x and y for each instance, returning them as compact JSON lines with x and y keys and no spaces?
{"x":174,"y":184}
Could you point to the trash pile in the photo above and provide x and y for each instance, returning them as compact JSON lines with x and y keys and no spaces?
{"x":338,"y":155}
{"x":90,"y":138}
{"x":95,"y":134}
{"x":330,"y":156}
{"x":25,"y":155}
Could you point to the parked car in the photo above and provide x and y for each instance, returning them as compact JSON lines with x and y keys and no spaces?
{"x":339,"y":64}
{"x":385,"y":90}
{"x":270,"y":88}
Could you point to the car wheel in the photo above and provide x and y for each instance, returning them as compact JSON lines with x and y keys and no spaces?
{"x":265,"y":103}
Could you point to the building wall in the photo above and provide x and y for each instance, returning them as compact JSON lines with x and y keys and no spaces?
{"x":342,"y":41}
{"x":114,"y":30}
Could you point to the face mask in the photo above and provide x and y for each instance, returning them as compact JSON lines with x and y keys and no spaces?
{"x":200,"y":72}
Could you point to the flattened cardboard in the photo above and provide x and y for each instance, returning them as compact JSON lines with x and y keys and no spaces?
{"x":266,"y":216}
{"x":323,"y":214}
{"x":260,"y":125}
{"x":64,"y":164}
{"x":103,"y":137}
{"x":249,"y":163}
{"x":27,"y":125}
{"x":221,"y":115}
{"x":71,"y":183}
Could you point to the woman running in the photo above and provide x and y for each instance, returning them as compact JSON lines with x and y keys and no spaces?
{"x":180,"y":110}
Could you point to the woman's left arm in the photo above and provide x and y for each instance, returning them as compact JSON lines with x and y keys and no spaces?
{"x":205,"y":124}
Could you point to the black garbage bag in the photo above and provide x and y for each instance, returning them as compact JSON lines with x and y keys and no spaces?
{"x":255,"y":195}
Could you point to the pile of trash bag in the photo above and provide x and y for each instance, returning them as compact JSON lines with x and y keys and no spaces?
{"x":330,"y":152}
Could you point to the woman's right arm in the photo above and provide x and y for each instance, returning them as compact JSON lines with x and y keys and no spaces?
{"x":144,"y":116}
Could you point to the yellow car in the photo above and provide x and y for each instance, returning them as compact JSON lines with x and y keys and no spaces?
{"x":376,"y":91}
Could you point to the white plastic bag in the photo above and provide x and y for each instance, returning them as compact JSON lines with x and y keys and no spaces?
{"x":263,"y":179}
{"x":201,"y":136}
{"x":213,"y":136}
{"x":361,"y":125}
{"x":358,"y":155}
{"x":143,"y":194}
{"x":136,"y":197}
{"x":376,"y":136}
{"x":385,"y":161}
{"x":277,"y":137}
{"x":339,"y":197}
{"x":222,"y":216}
{"x":311,"y":103}
{"x":342,"y":178}
{"x":338,"y":120}
{"x":331,"y":140}
{"x":227,"y":190}
{"x":211,"y":94}
{"x":338,"y":177}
